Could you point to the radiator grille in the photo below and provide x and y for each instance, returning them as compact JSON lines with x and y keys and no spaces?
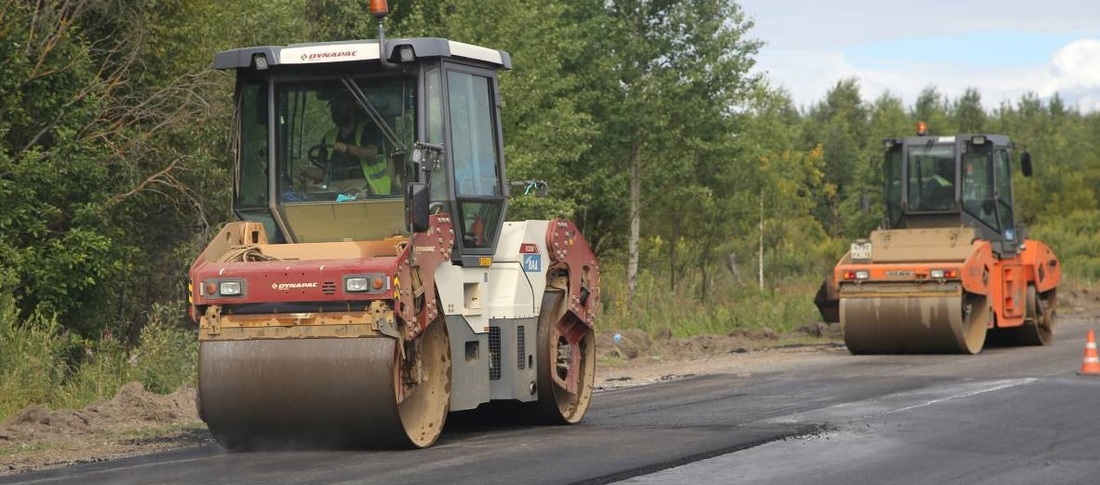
{"x":328,"y":288}
{"x":521,"y":351}
{"x":494,"y":353}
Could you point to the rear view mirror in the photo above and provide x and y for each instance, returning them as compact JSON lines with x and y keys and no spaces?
{"x":416,"y":207}
{"x":1025,"y":164}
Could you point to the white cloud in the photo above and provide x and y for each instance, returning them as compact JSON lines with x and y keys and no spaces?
{"x":806,"y":44}
{"x":793,"y":24}
{"x":1077,"y":65}
{"x":1073,"y":72}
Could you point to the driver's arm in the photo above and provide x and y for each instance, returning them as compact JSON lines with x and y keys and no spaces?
{"x":360,"y":152}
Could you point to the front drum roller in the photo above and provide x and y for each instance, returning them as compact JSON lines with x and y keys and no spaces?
{"x":566,"y":363}
{"x":914,"y":323}
{"x":325,"y":392}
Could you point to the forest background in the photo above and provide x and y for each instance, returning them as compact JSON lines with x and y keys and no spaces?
{"x":713,"y":202}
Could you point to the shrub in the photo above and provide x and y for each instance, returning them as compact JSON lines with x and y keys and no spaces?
{"x":31,"y":358}
{"x":167,"y":353}
{"x":41,"y":365}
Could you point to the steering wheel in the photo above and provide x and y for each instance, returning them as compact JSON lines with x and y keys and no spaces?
{"x":318,"y":155}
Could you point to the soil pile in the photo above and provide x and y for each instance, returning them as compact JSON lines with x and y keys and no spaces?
{"x":134,"y":421}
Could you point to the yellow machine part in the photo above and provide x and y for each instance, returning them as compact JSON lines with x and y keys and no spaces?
{"x":901,"y":318}
{"x":341,"y":392}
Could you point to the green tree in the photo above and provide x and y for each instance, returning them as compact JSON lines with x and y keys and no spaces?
{"x":931,"y":108}
{"x":784,"y":186}
{"x":55,"y":171}
{"x":840,"y":124}
{"x":969,"y":113}
{"x":113,"y":164}
{"x":680,"y":70}
{"x":545,"y":129}
{"x":888,"y":120}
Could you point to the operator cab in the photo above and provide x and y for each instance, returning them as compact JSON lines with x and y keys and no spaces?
{"x":336,"y":141}
{"x":945,"y":181}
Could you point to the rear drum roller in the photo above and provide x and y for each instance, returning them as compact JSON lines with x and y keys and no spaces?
{"x":1038,"y":328}
{"x":1048,"y":313}
{"x":566,"y":363}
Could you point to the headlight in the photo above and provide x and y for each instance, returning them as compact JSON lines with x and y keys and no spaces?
{"x":357,"y":284}
{"x":229,"y":288}
{"x":860,"y":274}
{"x":939,"y":274}
{"x":367,"y":283}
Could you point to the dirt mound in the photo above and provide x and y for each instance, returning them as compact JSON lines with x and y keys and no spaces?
{"x":1079,"y":300}
{"x":116,"y":427}
{"x":634,"y":344}
{"x":132,"y":407}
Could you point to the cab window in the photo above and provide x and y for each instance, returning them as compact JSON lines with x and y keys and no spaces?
{"x":475,"y":157}
{"x":977,"y":180}
{"x":893,"y":185}
{"x":250,"y":148}
{"x":474,"y":148}
{"x":1003,"y":182}
{"x":931,"y":177}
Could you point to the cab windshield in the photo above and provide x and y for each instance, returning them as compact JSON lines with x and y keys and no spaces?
{"x":931,"y":177}
{"x":343,"y":140}
{"x":341,"y":156}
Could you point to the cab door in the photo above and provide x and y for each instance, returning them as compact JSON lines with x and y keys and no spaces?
{"x":475,"y":148}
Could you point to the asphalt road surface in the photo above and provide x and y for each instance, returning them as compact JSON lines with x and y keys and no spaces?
{"x":1010,"y":415}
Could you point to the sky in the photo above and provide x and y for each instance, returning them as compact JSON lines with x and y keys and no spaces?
{"x":1003,"y":48}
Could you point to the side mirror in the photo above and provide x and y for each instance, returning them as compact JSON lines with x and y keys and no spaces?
{"x":427,"y":157}
{"x":1025,"y":164}
{"x":416,"y":207}
{"x":538,"y":188}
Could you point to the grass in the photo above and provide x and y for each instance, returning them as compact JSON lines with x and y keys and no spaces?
{"x":1073,"y":240}
{"x":786,"y":306}
{"x":42,"y":365}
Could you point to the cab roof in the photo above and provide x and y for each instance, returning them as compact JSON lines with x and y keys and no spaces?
{"x":920,"y":140}
{"x":358,"y":50}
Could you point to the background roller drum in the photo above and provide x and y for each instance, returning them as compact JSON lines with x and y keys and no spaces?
{"x":915,"y":324}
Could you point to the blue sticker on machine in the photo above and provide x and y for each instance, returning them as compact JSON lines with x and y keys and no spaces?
{"x":532,"y":263}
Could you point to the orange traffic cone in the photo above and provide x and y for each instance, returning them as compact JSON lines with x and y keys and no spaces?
{"x":1091,"y":365}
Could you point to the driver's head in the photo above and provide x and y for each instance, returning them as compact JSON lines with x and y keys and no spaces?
{"x":343,"y":110}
